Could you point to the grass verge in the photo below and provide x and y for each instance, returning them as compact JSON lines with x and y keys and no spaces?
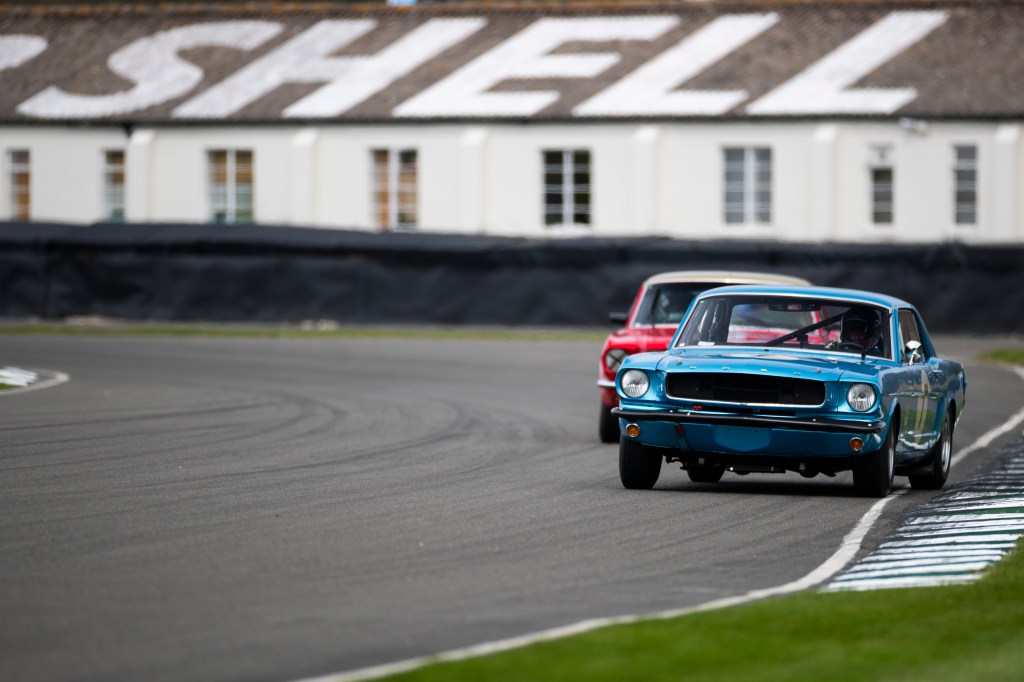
{"x":1011,"y":355}
{"x":946,"y":634}
{"x":973,"y":632}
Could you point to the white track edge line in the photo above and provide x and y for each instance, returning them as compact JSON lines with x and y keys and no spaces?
{"x":842,"y":556}
{"x":56,"y":379}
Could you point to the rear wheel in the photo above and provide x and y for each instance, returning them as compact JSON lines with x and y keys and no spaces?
{"x":705,"y":474}
{"x":937,"y":471}
{"x":608,"y":426}
{"x":639,"y":465}
{"x":872,"y":477}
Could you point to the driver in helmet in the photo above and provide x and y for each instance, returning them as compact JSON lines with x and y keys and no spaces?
{"x":858,"y":325}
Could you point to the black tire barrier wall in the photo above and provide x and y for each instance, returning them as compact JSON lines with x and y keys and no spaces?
{"x":288,"y":274}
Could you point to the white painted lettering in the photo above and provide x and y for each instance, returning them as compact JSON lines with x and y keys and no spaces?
{"x":350,"y":80}
{"x":526,"y":55}
{"x":16,"y":50}
{"x":648,"y":91}
{"x":822,"y":87}
{"x":153,"y":64}
{"x":361,"y":77}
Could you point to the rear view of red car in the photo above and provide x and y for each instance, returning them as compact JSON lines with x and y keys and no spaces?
{"x":657,"y":310}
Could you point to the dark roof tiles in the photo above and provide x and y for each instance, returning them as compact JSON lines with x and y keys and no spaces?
{"x":948,"y":59}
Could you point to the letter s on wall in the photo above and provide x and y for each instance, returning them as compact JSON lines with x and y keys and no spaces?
{"x":152,"y":63}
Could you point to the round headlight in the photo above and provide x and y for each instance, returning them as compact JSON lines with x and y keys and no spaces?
{"x":861,"y":397}
{"x":614,"y":358}
{"x":635,"y":383}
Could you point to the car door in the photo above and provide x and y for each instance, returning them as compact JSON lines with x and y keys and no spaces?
{"x":925,"y":381}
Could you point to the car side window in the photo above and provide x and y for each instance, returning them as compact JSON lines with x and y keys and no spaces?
{"x":909,"y":332}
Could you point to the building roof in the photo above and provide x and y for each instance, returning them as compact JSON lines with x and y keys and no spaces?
{"x":577,"y":61}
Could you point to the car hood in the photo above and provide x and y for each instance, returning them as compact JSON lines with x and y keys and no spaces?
{"x":782,"y":363}
{"x":641,"y":339}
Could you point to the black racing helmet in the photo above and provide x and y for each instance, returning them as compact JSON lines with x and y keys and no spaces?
{"x":858,"y":321}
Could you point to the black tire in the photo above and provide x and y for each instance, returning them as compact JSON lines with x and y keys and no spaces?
{"x":872,"y":477}
{"x":608,"y":426}
{"x":705,"y":474}
{"x":934,"y":477}
{"x":639,"y":465}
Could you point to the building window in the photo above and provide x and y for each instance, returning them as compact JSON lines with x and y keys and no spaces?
{"x":567,"y":187}
{"x":395,"y":201}
{"x":230,"y":185}
{"x":965,"y":185}
{"x":882,"y":197}
{"x":113,"y":185}
{"x":19,"y":175}
{"x":748,"y":185}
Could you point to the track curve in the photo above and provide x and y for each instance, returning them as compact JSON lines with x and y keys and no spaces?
{"x":233,"y":509}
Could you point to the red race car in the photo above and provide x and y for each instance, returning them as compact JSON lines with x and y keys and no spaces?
{"x":657,"y":310}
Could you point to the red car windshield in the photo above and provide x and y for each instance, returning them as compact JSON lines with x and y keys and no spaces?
{"x":667,"y":303}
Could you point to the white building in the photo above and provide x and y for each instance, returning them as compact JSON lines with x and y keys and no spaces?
{"x":874,"y":121}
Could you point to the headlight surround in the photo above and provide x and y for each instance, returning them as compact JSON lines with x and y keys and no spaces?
{"x":634,"y":383}
{"x":861,"y":397}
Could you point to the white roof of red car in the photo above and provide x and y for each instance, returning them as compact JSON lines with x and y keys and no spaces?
{"x":724,"y":277}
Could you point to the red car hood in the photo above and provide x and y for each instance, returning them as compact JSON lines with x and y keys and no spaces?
{"x":641,"y":339}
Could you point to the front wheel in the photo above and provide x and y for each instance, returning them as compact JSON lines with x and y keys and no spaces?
{"x":872,"y":476}
{"x":937,"y":471}
{"x":639,"y":465}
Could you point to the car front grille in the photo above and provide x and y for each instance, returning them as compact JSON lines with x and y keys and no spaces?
{"x":745,"y":388}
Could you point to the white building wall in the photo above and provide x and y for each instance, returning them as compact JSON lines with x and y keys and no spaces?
{"x":924,"y":183}
{"x":344,"y":174}
{"x":647,"y":179}
{"x":692,"y":180}
{"x":1008,"y":183}
{"x":514,"y":178}
{"x":66,"y":181}
{"x":178,"y":173}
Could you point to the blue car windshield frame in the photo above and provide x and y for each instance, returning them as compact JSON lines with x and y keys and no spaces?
{"x":766,"y":320}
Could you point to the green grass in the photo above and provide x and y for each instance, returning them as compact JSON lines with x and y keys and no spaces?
{"x":973,"y":632}
{"x":311,"y":332}
{"x":1012,"y":355}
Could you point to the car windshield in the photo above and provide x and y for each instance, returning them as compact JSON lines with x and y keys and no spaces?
{"x":667,"y":303}
{"x":789,"y":322}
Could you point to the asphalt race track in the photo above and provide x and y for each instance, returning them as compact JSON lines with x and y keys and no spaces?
{"x":243,"y":509}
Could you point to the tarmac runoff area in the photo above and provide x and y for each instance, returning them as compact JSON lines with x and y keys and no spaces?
{"x":954,"y":538}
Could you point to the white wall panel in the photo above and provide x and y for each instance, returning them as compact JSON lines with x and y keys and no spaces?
{"x":66,"y":165}
{"x":178,"y":171}
{"x":647,"y":179}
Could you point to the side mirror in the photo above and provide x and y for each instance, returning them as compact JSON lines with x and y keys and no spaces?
{"x":912,"y":352}
{"x":617,"y":318}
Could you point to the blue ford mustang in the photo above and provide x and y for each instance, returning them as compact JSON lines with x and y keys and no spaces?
{"x":807,"y":379}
